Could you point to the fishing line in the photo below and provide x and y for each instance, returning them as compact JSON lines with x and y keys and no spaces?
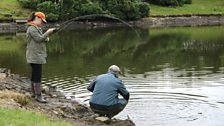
{"x":67,"y":23}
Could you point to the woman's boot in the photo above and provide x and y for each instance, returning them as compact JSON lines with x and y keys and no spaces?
{"x":38,"y":95}
{"x":32,"y":90}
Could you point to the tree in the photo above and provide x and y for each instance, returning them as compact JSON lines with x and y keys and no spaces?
{"x":67,"y":9}
{"x":170,"y":2}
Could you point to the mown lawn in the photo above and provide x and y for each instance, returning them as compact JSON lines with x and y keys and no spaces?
{"x":16,"y":117}
{"x":197,"y":7}
{"x":12,"y":7}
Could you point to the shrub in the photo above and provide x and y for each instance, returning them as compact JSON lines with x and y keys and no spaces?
{"x":31,"y":4}
{"x":67,"y":9}
{"x":170,"y":2}
{"x":188,"y":1}
{"x":90,"y":8}
{"x":126,"y":9}
{"x":52,"y":17}
{"x":86,"y":8}
{"x":144,"y":9}
{"x":50,"y":9}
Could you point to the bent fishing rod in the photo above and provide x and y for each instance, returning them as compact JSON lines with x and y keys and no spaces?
{"x":67,"y":23}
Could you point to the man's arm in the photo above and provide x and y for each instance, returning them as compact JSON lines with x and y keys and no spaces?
{"x":126,"y":96}
{"x":91,"y":86}
{"x":123,"y":91}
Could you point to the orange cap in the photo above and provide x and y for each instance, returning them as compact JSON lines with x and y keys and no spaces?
{"x":41,"y":15}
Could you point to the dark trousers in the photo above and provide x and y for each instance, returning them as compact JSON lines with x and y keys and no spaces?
{"x":109,"y":111}
{"x":36,"y":73}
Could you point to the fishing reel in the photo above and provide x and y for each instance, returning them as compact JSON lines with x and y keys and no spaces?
{"x":57,"y":28}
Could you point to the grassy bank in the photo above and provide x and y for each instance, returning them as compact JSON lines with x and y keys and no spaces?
{"x":12,"y":7}
{"x":197,"y":7}
{"x":16,"y":117}
{"x":12,"y":115}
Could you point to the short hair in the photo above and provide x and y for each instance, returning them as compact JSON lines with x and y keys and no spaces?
{"x":114,"y":68}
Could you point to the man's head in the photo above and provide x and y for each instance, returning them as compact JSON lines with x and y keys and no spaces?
{"x":115,"y":69}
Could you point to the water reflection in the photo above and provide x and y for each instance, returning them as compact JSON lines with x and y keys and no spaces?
{"x":175,"y":75}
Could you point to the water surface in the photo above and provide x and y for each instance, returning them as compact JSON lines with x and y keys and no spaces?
{"x":174,"y":75}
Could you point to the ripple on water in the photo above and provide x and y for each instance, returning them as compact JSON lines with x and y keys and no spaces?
{"x":170,"y":97}
{"x":171,"y":108}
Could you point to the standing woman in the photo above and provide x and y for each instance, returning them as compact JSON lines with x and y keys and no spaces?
{"x":36,"y":51}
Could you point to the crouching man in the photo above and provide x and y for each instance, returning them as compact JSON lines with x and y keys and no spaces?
{"x":106,"y":88}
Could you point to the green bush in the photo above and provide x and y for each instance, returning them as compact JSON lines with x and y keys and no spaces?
{"x":52,"y":17}
{"x":50,"y":9}
{"x":91,"y":8}
{"x":31,"y":4}
{"x":86,"y":7}
{"x":126,"y":9}
{"x":188,"y":1}
{"x":67,"y":9}
{"x":170,"y":2}
{"x":144,"y":9}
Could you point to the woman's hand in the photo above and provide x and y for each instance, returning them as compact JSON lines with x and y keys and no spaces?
{"x":51,"y":30}
{"x":47,"y":39}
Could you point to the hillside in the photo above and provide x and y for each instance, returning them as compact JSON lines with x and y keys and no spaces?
{"x":12,"y":8}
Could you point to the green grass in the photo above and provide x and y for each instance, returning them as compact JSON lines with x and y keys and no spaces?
{"x":197,"y":7}
{"x":16,"y":117}
{"x":12,"y":7}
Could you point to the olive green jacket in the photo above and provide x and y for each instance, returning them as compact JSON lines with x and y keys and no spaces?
{"x":36,"y":45}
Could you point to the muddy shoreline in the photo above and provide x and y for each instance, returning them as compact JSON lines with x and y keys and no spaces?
{"x":188,"y":20}
{"x":58,"y":106}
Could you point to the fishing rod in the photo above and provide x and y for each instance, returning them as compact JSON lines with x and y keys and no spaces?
{"x":67,"y":23}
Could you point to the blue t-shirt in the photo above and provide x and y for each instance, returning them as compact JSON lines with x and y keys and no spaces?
{"x":106,"y":88}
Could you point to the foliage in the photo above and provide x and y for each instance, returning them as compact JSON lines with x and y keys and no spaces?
{"x":170,"y":2}
{"x":51,"y":10}
{"x":52,"y":17}
{"x":126,"y":9}
{"x":67,"y":9}
{"x":188,"y":1}
{"x":31,"y":4}
{"x":144,"y":9}
{"x":85,"y":7}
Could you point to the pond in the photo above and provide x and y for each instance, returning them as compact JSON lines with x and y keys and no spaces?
{"x":174,"y":75}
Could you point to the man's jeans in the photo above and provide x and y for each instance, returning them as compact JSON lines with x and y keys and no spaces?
{"x":109,"y":111}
